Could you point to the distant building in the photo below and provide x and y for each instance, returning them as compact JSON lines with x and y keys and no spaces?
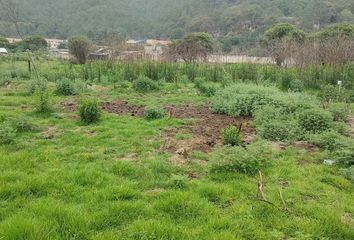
{"x":3,"y":51}
{"x":14,"y":40}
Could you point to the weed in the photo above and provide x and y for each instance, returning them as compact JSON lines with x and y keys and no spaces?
{"x":153,"y":113}
{"x":231,"y":136}
{"x":89,"y":111}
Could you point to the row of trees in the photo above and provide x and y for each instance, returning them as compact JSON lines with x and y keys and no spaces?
{"x":288,"y":44}
{"x":33,"y":43}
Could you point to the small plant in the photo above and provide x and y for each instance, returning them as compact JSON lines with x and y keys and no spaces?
{"x":231,"y":136}
{"x":206,"y":88}
{"x":315,"y":120}
{"x":339,"y":113}
{"x":248,"y":160}
{"x":296,"y":86}
{"x":7,"y":134}
{"x":43,"y":104}
{"x":21,"y":124}
{"x":178,"y":181}
{"x":89,"y":111}
{"x":144,"y":84}
{"x":65,"y":87}
{"x":152,"y":113}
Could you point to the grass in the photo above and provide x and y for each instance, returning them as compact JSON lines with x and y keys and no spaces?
{"x":110,"y":181}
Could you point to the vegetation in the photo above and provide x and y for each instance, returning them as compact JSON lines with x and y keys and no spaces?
{"x":128,"y":178}
{"x":79,"y":46}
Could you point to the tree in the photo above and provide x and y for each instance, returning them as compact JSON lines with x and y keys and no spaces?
{"x":193,"y":47}
{"x":79,"y":47}
{"x":336,"y":31}
{"x":33,"y":43}
{"x":278,"y":37}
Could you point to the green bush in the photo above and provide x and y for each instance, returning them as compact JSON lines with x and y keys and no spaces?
{"x":65,"y":87}
{"x":245,"y":99}
{"x":348,"y":173}
{"x":296,"y":86}
{"x":178,"y":181}
{"x":152,"y":113}
{"x":7,"y":134}
{"x":345,"y":156}
{"x":275,"y":125}
{"x":21,"y":124}
{"x":315,"y":120}
{"x":247,"y":160}
{"x":144,"y":84}
{"x":231,"y":136}
{"x":340,"y":113}
{"x":89,"y":111}
{"x":329,"y":140}
{"x":206,"y":88}
{"x":43,"y":102}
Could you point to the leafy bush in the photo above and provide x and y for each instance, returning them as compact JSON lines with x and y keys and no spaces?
{"x":21,"y":124}
{"x":206,"y":88}
{"x":339,"y":113}
{"x":178,"y":181}
{"x":248,"y":160}
{"x":329,"y":140}
{"x":315,"y":120}
{"x":152,"y":113}
{"x":89,"y":111}
{"x":296,"y":86}
{"x":345,"y":156}
{"x":231,"y":136}
{"x":275,"y":125}
{"x":245,"y":99}
{"x":43,"y":103}
{"x":65,"y":87}
{"x":7,"y":134}
{"x":348,"y":173}
{"x":144,"y":84}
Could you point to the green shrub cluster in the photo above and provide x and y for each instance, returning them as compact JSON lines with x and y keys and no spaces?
{"x":153,"y":112}
{"x":247,"y":160}
{"x":205,"y":88}
{"x":65,"y":87}
{"x":231,"y":136}
{"x":7,"y":134}
{"x":244,"y":99}
{"x":315,"y":120}
{"x":145,"y":84}
{"x":89,"y":111}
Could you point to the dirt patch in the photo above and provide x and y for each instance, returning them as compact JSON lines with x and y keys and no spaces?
{"x":51,"y":133}
{"x":122,"y":108}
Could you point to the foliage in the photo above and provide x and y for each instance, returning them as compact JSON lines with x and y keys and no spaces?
{"x":42,"y":96}
{"x":329,"y":140}
{"x":33,"y":43}
{"x":4,"y":43}
{"x":65,"y":87}
{"x":89,"y":111}
{"x":145,"y":84}
{"x":231,"y":136}
{"x":79,"y":46}
{"x":336,"y":31}
{"x":192,"y":47}
{"x":153,"y":112}
{"x":245,"y":99}
{"x":7,"y":134}
{"x":315,"y":120}
{"x":339,"y":112}
{"x":21,"y":124}
{"x":247,"y":160}
{"x":283,"y":31}
{"x":206,"y":88}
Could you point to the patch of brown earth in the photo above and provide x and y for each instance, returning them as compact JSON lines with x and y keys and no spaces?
{"x":122,"y":108}
{"x":348,"y":219}
{"x":51,"y":133}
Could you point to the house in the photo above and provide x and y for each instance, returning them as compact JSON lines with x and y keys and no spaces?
{"x":14,"y":40}
{"x":54,"y":43}
{"x":3,"y":51}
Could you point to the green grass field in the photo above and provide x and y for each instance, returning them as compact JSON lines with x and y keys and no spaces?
{"x":110,"y":180}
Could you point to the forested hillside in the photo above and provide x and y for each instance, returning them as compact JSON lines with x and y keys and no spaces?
{"x":173,"y":18}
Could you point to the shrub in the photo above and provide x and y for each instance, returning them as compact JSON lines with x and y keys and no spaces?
{"x":231,"y":136}
{"x":65,"y":87}
{"x":7,"y":134}
{"x":89,"y":111}
{"x":275,"y":125}
{"x":245,"y":99}
{"x":339,"y":113}
{"x":152,"y":113}
{"x":42,"y":103}
{"x":206,"y":88}
{"x":315,"y":120}
{"x":329,"y":140}
{"x":345,"y":156}
{"x":144,"y":84}
{"x":348,"y":173}
{"x":248,"y":160}
{"x":21,"y":124}
{"x":178,"y":181}
{"x":296,"y":86}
